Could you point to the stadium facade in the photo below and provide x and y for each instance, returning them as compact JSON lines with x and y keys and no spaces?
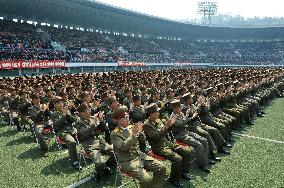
{"x":87,"y":14}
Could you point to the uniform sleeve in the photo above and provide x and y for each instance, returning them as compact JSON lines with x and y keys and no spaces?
{"x":182,"y":122}
{"x":36,"y":115}
{"x":123,"y":145}
{"x":154,"y":134}
{"x":111,"y":122}
{"x":84,"y":131}
{"x":58,"y":122}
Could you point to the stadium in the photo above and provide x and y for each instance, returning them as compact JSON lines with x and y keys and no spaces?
{"x":95,"y":95}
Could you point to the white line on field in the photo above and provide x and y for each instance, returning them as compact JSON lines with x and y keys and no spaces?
{"x":255,"y":137}
{"x":82,"y":181}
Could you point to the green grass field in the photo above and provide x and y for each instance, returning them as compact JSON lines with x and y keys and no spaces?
{"x":252,"y":163}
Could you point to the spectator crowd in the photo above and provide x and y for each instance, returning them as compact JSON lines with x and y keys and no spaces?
{"x":20,"y":41}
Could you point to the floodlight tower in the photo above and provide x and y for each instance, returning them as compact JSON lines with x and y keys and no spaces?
{"x":207,"y":8}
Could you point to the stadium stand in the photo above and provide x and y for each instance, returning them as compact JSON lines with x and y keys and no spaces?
{"x":25,"y":43}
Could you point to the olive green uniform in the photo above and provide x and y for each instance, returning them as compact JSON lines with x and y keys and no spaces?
{"x":136,"y":163}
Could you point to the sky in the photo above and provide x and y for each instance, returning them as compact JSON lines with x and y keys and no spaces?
{"x":187,"y":9}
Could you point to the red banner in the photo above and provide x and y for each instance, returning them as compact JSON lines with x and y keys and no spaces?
{"x":130,"y":64}
{"x":32,"y":64}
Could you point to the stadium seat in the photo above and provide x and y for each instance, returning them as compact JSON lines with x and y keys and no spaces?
{"x":155,"y":156}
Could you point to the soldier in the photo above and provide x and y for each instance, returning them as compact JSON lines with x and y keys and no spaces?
{"x":4,"y":103}
{"x":207,"y":118}
{"x":212,"y":134}
{"x":39,"y":114}
{"x":144,"y":95}
{"x":137,"y":113}
{"x":132,"y":161}
{"x":112,"y":123}
{"x":156,"y":132}
{"x":127,"y":99}
{"x":62,"y":121}
{"x":90,"y":131}
{"x":14,"y":103}
{"x":215,"y":112}
{"x":181,"y":130}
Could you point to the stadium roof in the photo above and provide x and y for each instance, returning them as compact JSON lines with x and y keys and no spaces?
{"x":87,"y":14}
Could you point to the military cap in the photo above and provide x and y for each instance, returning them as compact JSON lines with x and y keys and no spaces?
{"x":152,"y":108}
{"x":191,"y":87}
{"x":182,"y":89}
{"x":58,"y":99}
{"x":120,"y":113}
{"x":155,"y":91}
{"x":186,"y":96}
{"x":104,"y":95}
{"x":235,"y":82}
{"x":220,"y":85}
{"x":97,"y":97}
{"x":227,"y":84}
{"x":83,"y":95}
{"x":110,"y":100}
{"x":62,"y":94}
{"x":209,"y":89}
{"x":136,"y":98}
{"x":127,"y":90}
{"x":3,"y":86}
{"x":169,"y":91}
{"x":82,"y":108}
{"x":34,"y":96}
{"x":23,"y":92}
{"x":175,"y":103}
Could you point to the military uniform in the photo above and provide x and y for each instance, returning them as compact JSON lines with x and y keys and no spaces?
{"x":64,"y":129}
{"x":14,"y":103}
{"x":157,"y":136}
{"x":134,"y":162}
{"x":213,"y":136}
{"x":181,"y":132}
{"x":89,"y":134}
{"x":39,"y":118}
{"x":4,"y":106}
{"x":207,"y":118}
{"x":137,"y":114}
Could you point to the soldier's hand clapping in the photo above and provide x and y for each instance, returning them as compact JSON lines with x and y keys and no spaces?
{"x":170,"y":122}
{"x":65,"y":110}
{"x":137,"y":129}
{"x":200,"y":100}
{"x":100,"y":116}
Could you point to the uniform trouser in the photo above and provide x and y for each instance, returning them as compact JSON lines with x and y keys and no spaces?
{"x":225,"y":131}
{"x":71,"y":144}
{"x":200,"y":146}
{"x":5,"y":116}
{"x":215,"y":134}
{"x":40,"y":137}
{"x":180,"y":158}
{"x":235,"y":121}
{"x":245,"y":111}
{"x":141,"y":172}
{"x":97,"y":150}
{"x":206,"y":135}
{"x":107,"y":136}
{"x":227,"y":124}
{"x":27,"y":121}
{"x":237,"y":114}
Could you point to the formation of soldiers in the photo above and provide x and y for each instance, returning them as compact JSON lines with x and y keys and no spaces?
{"x":135,"y":120}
